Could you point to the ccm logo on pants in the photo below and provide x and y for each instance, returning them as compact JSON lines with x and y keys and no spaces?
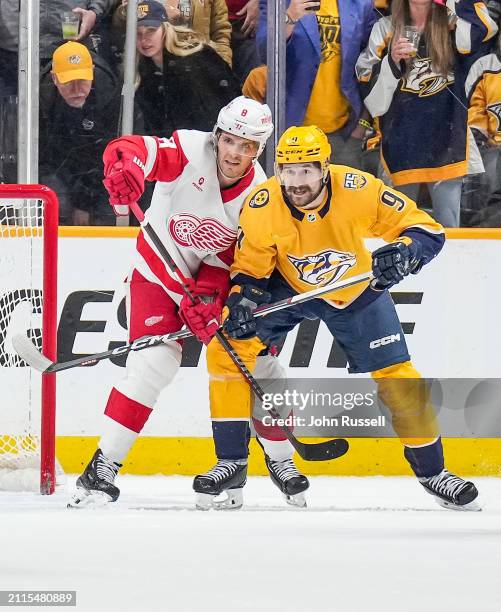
{"x":383,"y":341}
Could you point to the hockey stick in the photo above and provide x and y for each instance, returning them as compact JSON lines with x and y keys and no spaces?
{"x":27,"y":350}
{"x":322,"y":451}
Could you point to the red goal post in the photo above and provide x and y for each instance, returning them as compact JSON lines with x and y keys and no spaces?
{"x":29,"y":218}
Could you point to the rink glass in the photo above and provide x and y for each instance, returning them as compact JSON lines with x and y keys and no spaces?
{"x":70,"y":24}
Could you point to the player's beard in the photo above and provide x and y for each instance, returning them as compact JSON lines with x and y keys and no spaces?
{"x":302,"y":195}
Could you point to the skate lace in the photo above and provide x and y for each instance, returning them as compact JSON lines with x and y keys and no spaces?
{"x":446,"y":483}
{"x":285,"y":470}
{"x":106,"y":469}
{"x":223,"y":469}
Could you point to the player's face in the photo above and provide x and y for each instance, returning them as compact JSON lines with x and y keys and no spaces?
{"x":302,"y":182}
{"x":235,"y":154}
{"x":74,"y":92}
{"x":150,"y":40}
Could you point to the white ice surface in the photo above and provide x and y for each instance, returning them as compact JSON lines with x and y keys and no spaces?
{"x":363,"y":544}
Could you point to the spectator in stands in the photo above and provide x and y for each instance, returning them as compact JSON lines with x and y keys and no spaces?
{"x":91,"y":12}
{"x":208,"y":18}
{"x":483,"y":90}
{"x":51,"y":35}
{"x":243,"y":16}
{"x":182,"y":82}
{"x":324,"y":40}
{"x":79,"y":115}
{"x":417,"y":91}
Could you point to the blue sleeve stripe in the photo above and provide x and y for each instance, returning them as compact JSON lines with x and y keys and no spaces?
{"x":431,"y":243}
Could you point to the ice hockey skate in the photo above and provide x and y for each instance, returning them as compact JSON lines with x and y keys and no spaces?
{"x":225,"y":478}
{"x":452,"y":492}
{"x":289,"y":480}
{"x":95,"y":487}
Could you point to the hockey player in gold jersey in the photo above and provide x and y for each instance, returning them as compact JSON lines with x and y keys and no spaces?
{"x":302,"y":228}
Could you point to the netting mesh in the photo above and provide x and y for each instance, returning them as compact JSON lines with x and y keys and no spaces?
{"x":21,"y":307}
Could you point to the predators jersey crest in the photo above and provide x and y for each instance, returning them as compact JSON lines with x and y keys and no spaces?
{"x":324,"y":267}
{"x":423,"y":80}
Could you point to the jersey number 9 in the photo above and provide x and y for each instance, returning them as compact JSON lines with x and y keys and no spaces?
{"x":391,"y":199}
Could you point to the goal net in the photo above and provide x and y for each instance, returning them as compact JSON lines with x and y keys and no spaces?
{"x":28,"y":289}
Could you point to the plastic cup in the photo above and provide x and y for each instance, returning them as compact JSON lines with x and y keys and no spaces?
{"x":413,"y":35}
{"x":70,"y":24}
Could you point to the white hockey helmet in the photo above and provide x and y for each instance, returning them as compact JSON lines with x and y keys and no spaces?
{"x":247,"y":118}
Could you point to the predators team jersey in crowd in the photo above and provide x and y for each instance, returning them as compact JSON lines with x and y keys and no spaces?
{"x":332,"y":116}
{"x":314,"y":247}
{"x":423,"y":114}
{"x":483,"y":89}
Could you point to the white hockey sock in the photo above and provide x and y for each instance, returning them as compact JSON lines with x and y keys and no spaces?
{"x":277,"y":450}
{"x":116,"y":440}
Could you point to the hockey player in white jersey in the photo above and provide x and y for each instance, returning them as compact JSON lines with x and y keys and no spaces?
{"x":202,"y":182}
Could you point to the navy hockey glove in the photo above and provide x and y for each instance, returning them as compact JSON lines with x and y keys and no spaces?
{"x":240,"y":323}
{"x":394,"y":261}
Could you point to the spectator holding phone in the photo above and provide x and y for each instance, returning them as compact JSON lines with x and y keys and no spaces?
{"x":324,"y":40}
{"x":417,"y":89}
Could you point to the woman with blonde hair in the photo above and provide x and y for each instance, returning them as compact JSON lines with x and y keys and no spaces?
{"x":412,"y":76}
{"x":182,"y":83}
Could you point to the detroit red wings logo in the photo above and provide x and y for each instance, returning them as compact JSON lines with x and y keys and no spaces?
{"x":204,"y":234}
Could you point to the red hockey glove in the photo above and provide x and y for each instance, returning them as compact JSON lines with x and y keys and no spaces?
{"x":204,"y":317}
{"x":124,"y":176}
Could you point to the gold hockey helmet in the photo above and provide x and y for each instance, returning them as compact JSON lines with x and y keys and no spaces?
{"x":303,"y":145}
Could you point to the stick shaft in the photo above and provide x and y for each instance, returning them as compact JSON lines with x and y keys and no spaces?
{"x":300,"y":447}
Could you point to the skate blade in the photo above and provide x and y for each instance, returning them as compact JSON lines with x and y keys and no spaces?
{"x":473,"y":506}
{"x":231,"y":499}
{"x":298,"y":500}
{"x":85,"y":499}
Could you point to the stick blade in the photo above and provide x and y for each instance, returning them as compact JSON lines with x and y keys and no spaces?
{"x":25,"y":348}
{"x":324,"y":451}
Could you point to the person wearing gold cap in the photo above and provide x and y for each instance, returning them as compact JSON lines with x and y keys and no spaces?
{"x":79,"y":114}
{"x":73,"y":73}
